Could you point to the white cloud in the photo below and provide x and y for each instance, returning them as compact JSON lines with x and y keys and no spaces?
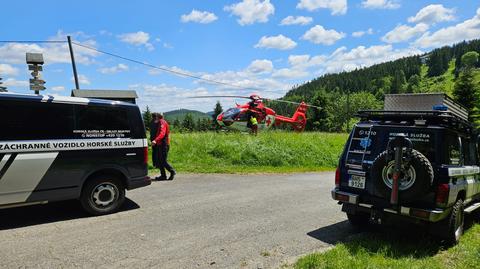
{"x":260,"y":66}
{"x":114,"y":69}
{"x":58,"y":88}
{"x":344,"y":60}
{"x":179,"y":71}
{"x":403,"y":33}
{"x":82,"y":79}
{"x":298,"y":60}
{"x":337,"y":7}
{"x":167,"y":45}
{"x":467,"y":30}
{"x":11,"y":82}
{"x":105,"y":32}
{"x":8,"y":70}
{"x":14,"y":53}
{"x":301,"y":20}
{"x":359,"y":57}
{"x":139,"y":38}
{"x":158,"y":97}
{"x":432,"y":14}
{"x":380,"y":4}
{"x":320,"y":35}
{"x":362,"y":33}
{"x":261,"y":77}
{"x":245,"y":83}
{"x":280,"y":42}
{"x":290,"y":73}
{"x":358,"y":34}
{"x":203,"y":17}
{"x":251,"y":11}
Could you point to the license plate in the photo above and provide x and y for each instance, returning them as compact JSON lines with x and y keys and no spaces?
{"x":356,"y":182}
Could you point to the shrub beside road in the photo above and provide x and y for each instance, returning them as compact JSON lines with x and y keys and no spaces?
{"x":269,"y":152}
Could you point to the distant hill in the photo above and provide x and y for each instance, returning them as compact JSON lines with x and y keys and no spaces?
{"x":179,"y":114}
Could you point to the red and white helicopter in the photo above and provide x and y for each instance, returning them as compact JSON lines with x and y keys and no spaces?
{"x":237,"y":117}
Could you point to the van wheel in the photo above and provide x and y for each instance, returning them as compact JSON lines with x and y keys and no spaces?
{"x":102,"y":195}
{"x":359,"y":219}
{"x":416,"y":177}
{"x":455,"y":223}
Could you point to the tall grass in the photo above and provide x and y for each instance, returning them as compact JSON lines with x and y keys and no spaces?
{"x":381,"y":250}
{"x":268,"y":152}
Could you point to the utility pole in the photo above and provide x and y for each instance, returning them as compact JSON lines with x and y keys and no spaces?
{"x":75,"y":76}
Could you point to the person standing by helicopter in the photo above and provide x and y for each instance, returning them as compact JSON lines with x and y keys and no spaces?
{"x":253,"y":123}
{"x":162,"y":140}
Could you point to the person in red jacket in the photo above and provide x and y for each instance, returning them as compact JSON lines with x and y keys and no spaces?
{"x":162,"y":141}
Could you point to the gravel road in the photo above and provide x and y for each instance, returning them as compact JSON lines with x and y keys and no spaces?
{"x":196,"y":221}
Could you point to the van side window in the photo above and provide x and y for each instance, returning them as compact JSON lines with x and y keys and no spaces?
{"x":101,"y":118}
{"x":26,"y":120}
{"x":454,"y":155}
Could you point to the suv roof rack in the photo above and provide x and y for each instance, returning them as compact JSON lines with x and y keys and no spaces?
{"x":424,"y":102}
{"x":442,"y":118}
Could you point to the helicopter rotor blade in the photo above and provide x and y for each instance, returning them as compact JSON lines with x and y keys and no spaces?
{"x":250,"y":97}
{"x":290,"y":102}
{"x":221,"y":96}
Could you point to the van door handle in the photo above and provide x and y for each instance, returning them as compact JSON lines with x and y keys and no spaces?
{"x":131,"y":154}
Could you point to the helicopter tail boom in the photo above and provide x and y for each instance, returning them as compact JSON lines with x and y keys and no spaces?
{"x":297,"y":121}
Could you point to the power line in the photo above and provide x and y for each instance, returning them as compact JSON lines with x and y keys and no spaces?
{"x":32,"y":41}
{"x":162,"y":68}
{"x":179,"y":73}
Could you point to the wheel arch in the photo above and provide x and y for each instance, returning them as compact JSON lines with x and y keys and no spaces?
{"x":462,"y":194}
{"x":118,"y":172}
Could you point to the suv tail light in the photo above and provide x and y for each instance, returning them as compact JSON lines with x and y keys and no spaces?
{"x":442,"y":193}
{"x":145,"y":155}
{"x":337,"y":177}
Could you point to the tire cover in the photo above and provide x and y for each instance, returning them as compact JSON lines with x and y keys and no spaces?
{"x":416,"y":179}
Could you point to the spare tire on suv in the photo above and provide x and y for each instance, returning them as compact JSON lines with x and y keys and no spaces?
{"x":415,"y":179}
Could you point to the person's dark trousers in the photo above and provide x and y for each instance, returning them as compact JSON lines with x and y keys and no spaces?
{"x":155,"y":150}
{"x":164,"y":165}
{"x":156,"y":156}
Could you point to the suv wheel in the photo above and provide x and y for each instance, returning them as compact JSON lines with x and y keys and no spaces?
{"x":359,"y":219}
{"x":102,"y":195}
{"x":455,"y":222}
{"x":415,"y":179}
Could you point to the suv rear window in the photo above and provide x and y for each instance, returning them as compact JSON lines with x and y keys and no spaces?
{"x":376,"y":142}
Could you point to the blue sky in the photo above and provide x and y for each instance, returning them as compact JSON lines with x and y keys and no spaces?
{"x":259,"y":46}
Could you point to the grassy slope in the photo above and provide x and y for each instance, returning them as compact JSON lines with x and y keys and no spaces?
{"x":268,"y":152}
{"x":443,"y":83}
{"x":387,"y":250}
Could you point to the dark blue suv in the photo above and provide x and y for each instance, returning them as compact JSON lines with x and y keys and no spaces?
{"x":416,"y":165}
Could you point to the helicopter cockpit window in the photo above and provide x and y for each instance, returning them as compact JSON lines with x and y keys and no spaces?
{"x":231,"y":113}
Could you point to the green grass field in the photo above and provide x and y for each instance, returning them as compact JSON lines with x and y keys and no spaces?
{"x":389,"y":249}
{"x":269,"y":152}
